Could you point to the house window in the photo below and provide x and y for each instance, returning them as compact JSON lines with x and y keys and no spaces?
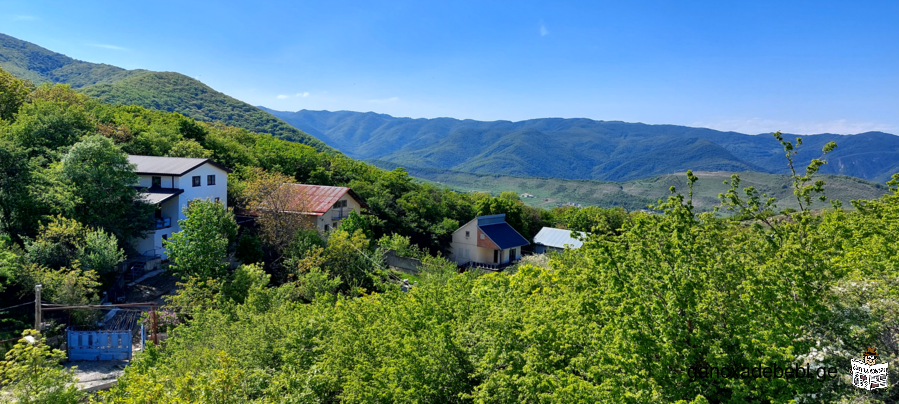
{"x":482,"y":236}
{"x":165,"y":238}
{"x":340,"y":204}
{"x":512,"y":254}
{"x":210,"y":180}
{"x":196,"y":180}
{"x":467,"y":234}
{"x":326,"y":228}
{"x":156,"y":182}
{"x":216,"y":199}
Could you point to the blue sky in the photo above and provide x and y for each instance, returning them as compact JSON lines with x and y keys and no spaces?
{"x":797,"y":66}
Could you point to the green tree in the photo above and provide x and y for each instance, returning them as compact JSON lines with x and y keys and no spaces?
{"x":13,"y":93}
{"x":100,"y":252}
{"x":71,"y":286}
{"x":189,"y":148}
{"x":201,"y":247}
{"x":101,"y":182}
{"x":593,"y":219}
{"x":290,"y":158}
{"x":17,"y":210}
{"x":348,"y":257}
{"x":249,"y":249}
{"x":246,"y":280}
{"x":32,"y":373}
{"x":355,"y":221}
{"x":48,"y":122}
{"x":63,"y":242}
{"x":10,"y":261}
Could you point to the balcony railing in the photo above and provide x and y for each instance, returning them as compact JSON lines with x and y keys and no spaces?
{"x":488,"y":266}
{"x":163,"y":222}
{"x":340,"y":214}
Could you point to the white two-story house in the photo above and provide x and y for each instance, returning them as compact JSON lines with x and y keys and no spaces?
{"x":170,"y":183}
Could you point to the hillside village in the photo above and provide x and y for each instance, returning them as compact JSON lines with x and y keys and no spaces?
{"x":156,"y":252}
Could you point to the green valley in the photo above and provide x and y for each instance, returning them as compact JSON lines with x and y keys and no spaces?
{"x":637,"y":194}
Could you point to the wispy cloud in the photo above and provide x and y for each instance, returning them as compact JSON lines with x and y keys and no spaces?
{"x":283,"y":96}
{"x":385,"y":100}
{"x":303,"y":94}
{"x":543,"y":30}
{"x":24,"y":18}
{"x":759,"y":125}
{"x":106,"y":46}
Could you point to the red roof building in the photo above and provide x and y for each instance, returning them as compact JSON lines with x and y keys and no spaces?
{"x":329,"y":204}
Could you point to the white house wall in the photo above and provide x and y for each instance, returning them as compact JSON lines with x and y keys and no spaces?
{"x":174,"y":208}
{"x":210,"y":192}
{"x":326,"y":219}
{"x":469,"y":244}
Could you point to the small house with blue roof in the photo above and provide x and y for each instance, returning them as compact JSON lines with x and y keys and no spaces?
{"x":487,"y":242}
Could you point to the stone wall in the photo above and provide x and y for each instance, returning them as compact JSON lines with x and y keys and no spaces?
{"x":405,"y":264}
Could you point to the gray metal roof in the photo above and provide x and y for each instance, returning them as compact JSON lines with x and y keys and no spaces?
{"x":179,"y":166}
{"x":557,"y":238}
{"x":155,"y":196}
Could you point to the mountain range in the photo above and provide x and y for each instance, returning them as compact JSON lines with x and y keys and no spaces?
{"x":577,"y":149}
{"x":166,"y":91}
{"x":584,"y":148}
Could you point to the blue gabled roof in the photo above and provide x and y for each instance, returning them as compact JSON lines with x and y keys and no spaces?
{"x":503,"y":235}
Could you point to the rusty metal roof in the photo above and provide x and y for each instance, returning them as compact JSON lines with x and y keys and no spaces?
{"x":313,"y":199}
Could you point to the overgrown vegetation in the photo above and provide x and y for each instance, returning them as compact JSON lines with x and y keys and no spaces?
{"x":310,"y":317}
{"x":629,"y":317}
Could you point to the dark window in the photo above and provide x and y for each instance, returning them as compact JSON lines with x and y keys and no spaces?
{"x":326,"y":227}
{"x":340,"y":204}
{"x":216,"y":199}
{"x":512,"y":254}
{"x":196,"y":180}
{"x":495,"y":256}
{"x":466,"y":234}
{"x":210,"y":180}
{"x":157,"y":182}
{"x":165,"y":237}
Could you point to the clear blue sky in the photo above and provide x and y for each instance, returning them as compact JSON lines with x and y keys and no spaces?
{"x":749,"y":66}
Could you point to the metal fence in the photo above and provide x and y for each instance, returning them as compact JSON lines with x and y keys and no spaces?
{"x":98,"y":345}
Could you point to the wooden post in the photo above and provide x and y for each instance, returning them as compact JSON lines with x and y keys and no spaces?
{"x":153,"y":315}
{"x":37,"y":307}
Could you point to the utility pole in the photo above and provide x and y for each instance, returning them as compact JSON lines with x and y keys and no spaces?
{"x":37,"y":307}
{"x":155,"y":337}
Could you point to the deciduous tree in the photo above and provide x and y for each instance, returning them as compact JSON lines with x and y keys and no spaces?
{"x":201,"y":248}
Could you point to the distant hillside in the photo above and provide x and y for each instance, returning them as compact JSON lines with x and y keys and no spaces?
{"x":164,"y":91}
{"x":583,"y":148}
{"x":31,"y":62}
{"x":637,"y":194}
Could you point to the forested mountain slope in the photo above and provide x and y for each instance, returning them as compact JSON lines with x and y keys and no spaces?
{"x":583,"y":148}
{"x":165,"y":91}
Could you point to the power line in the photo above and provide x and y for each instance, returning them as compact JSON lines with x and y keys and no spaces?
{"x":18,"y":305}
